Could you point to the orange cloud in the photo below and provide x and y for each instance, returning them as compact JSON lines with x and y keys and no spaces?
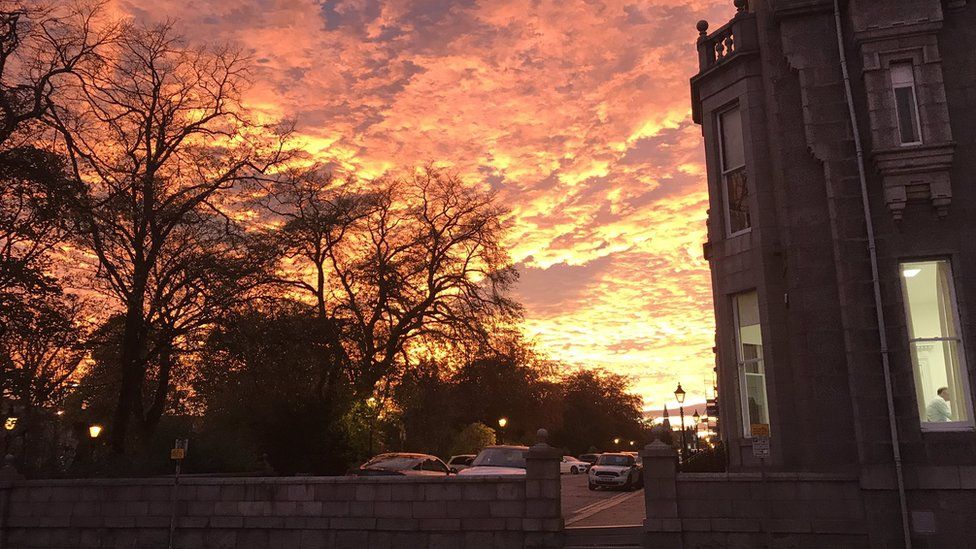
{"x":576,"y":111}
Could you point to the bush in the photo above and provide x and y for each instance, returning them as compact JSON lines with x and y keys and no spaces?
{"x":473,"y":438}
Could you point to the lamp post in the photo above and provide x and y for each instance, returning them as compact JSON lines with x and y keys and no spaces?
{"x":616,"y":443}
{"x":94,"y":430}
{"x":502,"y":422}
{"x":371,"y":405}
{"x":679,"y":395}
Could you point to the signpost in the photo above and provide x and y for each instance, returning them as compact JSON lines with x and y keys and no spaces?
{"x":760,"y":450}
{"x":177,"y":454}
{"x":760,"y":441}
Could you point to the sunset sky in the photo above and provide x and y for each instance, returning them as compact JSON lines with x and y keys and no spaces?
{"x":576,"y":111}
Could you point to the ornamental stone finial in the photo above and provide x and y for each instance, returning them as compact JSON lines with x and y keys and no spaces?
{"x":740,"y":5}
{"x":541,"y":436}
{"x":702,"y":27}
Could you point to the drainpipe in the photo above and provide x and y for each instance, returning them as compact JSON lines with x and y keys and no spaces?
{"x":872,"y":251}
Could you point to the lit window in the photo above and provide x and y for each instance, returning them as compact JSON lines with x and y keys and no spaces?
{"x":735,"y":190}
{"x":938,"y":357}
{"x":752,"y":371}
{"x":906,"y":104}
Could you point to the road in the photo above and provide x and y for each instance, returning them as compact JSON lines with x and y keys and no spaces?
{"x":583,"y":507}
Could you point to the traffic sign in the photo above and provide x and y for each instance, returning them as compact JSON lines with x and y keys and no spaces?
{"x":760,"y":447}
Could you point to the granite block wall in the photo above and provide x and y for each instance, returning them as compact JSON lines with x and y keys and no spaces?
{"x":300,"y":513}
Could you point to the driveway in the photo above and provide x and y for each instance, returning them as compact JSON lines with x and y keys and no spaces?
{"x":585,"y":508}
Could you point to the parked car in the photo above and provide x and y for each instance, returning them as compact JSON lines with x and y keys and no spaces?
{"x":498,"y":460}
{"x":589,"y":458}
{"x":403,"y":464}
{"x":460,"y":462}
{"x":571,"y":465}
{"x":616,"y":470}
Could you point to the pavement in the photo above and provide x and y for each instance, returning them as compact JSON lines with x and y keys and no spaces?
{"x":585,"y":508}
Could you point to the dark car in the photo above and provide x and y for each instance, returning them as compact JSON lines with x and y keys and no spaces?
{"x":460,"y":462}
{"x":402,"y":464}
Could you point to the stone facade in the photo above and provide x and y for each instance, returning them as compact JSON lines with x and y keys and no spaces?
{"x":806,"y":254}
{"x":298,"y":513}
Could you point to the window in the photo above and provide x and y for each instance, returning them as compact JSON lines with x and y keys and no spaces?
{"x":938,"y":358}
{"x":906,"y":104}
{"x":735,"y":188}
{"x":752,"y":371}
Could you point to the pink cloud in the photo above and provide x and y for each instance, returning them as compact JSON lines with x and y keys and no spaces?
{"x":577,"y":111}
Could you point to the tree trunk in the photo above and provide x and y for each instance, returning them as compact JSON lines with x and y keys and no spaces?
{"x":132,"y":358}
{"x":155,"y":412}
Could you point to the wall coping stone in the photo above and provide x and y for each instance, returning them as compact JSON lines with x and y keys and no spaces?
{"x":277,"y":481}
{"x":771,"y":476}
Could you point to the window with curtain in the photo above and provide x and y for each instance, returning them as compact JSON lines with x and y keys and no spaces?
{"x":749,"y":350}
{"x":941,"y":382}
{"x":735,"y":189}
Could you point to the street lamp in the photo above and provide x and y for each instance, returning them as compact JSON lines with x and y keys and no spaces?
{"x":502,"y":422}
{"x":616,"y":441}
{"x":10,"y":424}
{"x":679,"y":395}
{"x":371,"y":405}
{"x":94,"y":430}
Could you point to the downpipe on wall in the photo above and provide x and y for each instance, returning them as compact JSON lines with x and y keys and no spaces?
{"x":872,"y":251}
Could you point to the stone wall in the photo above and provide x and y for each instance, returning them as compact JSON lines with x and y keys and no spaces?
{"x":803,"y":510}
{"x":747,"y":510}
{"x":294,"y":512}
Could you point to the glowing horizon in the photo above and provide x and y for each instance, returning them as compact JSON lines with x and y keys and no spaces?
{"x":577,"y":113}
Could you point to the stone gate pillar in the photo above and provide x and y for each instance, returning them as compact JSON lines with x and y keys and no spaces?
{"x":543,"y":522}
{"x":662,"y":523}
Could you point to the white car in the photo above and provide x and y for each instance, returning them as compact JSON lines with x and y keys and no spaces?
{"x":497,"y":460}
{"x":617,"y":470}
{"x":571,"y":465}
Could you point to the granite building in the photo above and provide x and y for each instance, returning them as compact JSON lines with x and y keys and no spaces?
{"x":840,"y":141}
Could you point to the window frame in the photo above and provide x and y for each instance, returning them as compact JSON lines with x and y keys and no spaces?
{"x":740,"y":365}
{"x":930,"y":426}
{"x":725,"y":171}
{"x":910,"y":65}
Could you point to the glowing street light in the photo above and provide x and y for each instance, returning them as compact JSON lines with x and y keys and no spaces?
{"x":10,"y":424}
{"x":502,"y":422}
{"x":94,"y":430}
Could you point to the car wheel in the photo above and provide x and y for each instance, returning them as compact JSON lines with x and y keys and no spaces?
{"x":574,"y":470}
{"x":592,"y":486}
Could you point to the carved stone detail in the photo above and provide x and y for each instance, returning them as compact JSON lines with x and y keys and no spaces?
{"x":916,"y":174}
{"x":889,"y":33}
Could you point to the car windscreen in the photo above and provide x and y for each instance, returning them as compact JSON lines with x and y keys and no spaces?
{"x":617,"y":461}
{"x":500,"y":457}
{"x":393,"y":463}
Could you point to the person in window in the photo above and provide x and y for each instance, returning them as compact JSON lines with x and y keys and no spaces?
{"x":938,"y":409}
